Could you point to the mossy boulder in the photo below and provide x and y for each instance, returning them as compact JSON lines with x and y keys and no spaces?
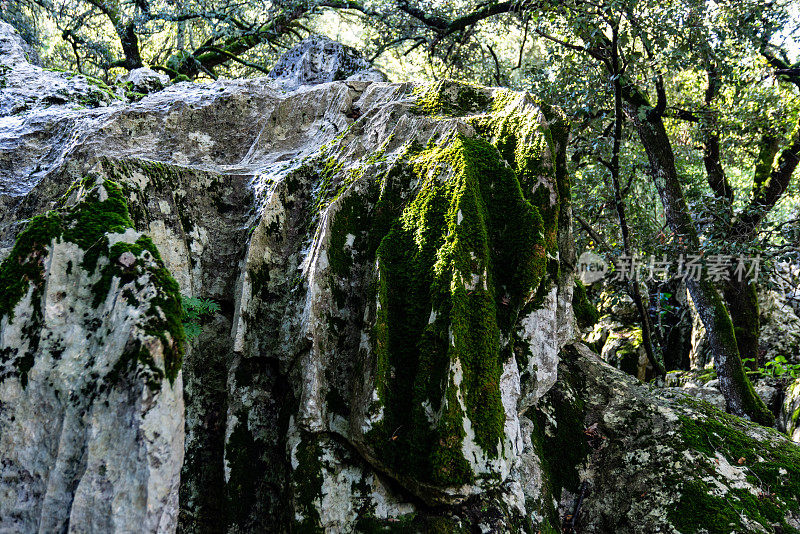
{"x":662,"y":461}
{"x":431,"y":282}
{"x":393,"y":266}
{"x":586,"y":313}
{"x":91,"y":344}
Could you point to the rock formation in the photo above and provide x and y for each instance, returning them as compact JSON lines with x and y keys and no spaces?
{"x":318,"y":59}
{"x":393,"y":264}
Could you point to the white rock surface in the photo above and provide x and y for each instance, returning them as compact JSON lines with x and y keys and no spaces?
{"x":269,"y":202}
{"x":91,"y":434}
{"x":318,"y":59}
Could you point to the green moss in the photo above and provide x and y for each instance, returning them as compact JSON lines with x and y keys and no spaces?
{"x":454,"y":272}
{"x":562,"y":447}
{"x":627,"y":355}
{"x":771,"y":465}
{"x":25,"y":263}
{"x":307,"y":484}
{"x":241,"y":456}
{"x":350,"y":221}
{"x":133,"y":96}
{"x":531,"y":144}
{"x":449,"y":97}
{"x":752,"y":405}
{"x":585,"y":312}
{"x":368,"y":524}
{"x":412,"y":523}
{"x":718,"y":516}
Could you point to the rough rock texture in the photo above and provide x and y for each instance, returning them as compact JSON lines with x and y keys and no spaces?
{"x":318,"y":59}
{"x":661,"y":460}
{"x":145,"y":81}
{"x":91,"y":405}
{"x":41,"y":111}
{"x":790,"y":416}
{"x":25,"y":86}
{"x":394,"y":268}
{"x":621,"y":346}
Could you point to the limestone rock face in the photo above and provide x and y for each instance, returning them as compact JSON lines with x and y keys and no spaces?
{"x":24,"y":86}
{"x":780,"y":327}
{"x":621,"y":346}
{"x":91,"y":405}
{"x":790,"y":415}
{"x":390,"y":261}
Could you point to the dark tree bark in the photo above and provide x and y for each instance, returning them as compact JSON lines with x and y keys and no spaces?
{"x":741,"y":297}
{"x":130,"y":45}
{"x":634,"y":290}
{"x":740,"y":398}
{"x":740,"y":294}
{"x":126,"y":33}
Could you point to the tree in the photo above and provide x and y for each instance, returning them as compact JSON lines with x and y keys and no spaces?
{"x":181,"y":38}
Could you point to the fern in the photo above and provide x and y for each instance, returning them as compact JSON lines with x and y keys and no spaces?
{"x":194,"y":310}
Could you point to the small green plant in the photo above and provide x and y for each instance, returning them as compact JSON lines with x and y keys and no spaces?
{"x":194,"y":310}
{"x":777,"y":368}
{"x":780,"y":367}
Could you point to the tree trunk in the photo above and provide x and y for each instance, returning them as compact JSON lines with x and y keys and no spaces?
{"x":741,"y":298}
{"x":130,"y":45}
{"x":633,"y":290}
{"x":740,"y":397}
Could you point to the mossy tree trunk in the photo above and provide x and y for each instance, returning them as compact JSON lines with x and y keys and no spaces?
{"x":741,"y":297}
{"x":740,"y":397}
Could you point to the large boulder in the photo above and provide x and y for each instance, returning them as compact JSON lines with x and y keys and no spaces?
{"x":393,"y":266}
{"x":144,"y":81}
{"x":780,"y":327}
{"x":24,"y":86}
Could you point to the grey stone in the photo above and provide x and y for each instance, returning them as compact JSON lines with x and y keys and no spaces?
{"x":318,"y":59}
{"x":145,"y":80}
{"x":282,"y":206}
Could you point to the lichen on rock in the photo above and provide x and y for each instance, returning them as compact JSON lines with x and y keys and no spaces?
{"x":393,"y":264}
{"x":80,"y":334}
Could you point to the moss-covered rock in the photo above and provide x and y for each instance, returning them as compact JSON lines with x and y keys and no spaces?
{"x":664,"y":462}
{"x":393,"y":264}
{"x":586,"y":313}
{"x":91,"y":344}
